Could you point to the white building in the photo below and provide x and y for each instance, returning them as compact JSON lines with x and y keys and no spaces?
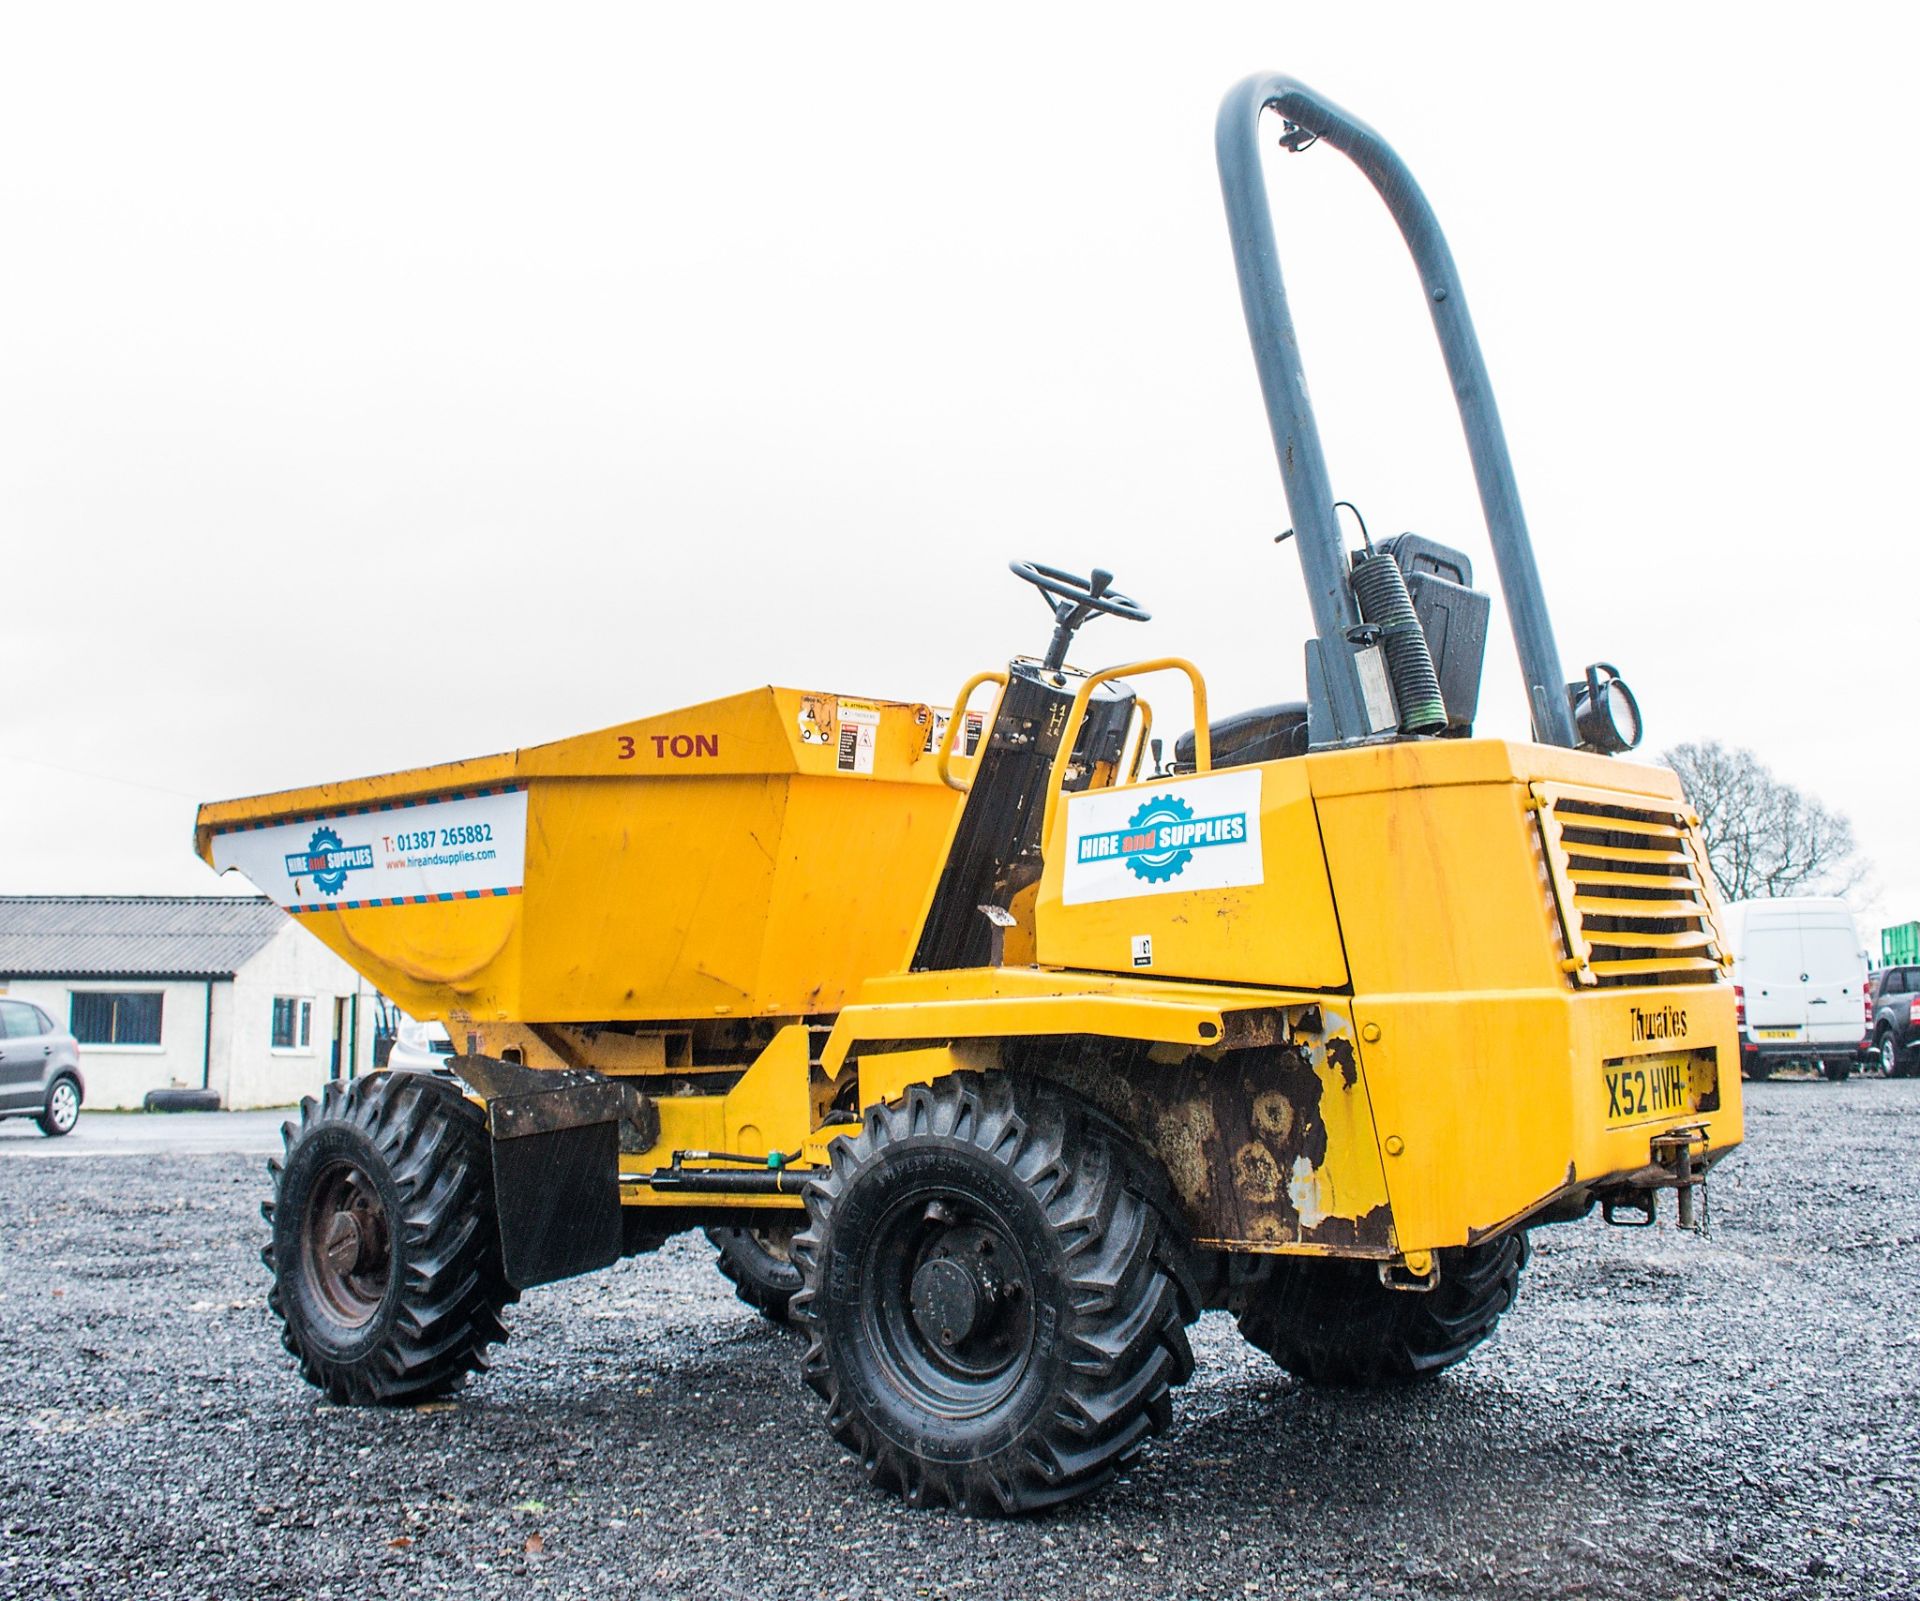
{"x":188,"y":992}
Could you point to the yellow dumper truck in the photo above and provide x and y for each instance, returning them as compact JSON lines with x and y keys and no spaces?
{"x":991,"y":1042}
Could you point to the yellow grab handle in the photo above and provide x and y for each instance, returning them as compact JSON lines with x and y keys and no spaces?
{"x":1202,"y":739}
{"x":943,"y":759}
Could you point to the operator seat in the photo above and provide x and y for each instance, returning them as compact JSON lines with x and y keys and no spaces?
{"x":1264,"y":734}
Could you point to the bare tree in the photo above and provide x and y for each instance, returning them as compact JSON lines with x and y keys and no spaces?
{"x":1764,"y":837}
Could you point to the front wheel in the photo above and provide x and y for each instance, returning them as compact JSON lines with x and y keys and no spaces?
{"x":996,"y":1294}
{"x":1334,"y":1322}
{"x":62,"y":1109}
{"x":385,"y":1254}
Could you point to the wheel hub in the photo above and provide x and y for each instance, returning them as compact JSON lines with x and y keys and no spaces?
{"x":349,"y":1255}
{"x":949,"y":1300}
{"x":342,"y":1244}
{"x":954,"y":1310}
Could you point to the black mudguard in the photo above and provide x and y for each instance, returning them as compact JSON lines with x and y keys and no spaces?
{"x":555,"y":1142}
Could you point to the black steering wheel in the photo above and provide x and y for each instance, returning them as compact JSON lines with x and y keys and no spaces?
{"x":1076,"y":599}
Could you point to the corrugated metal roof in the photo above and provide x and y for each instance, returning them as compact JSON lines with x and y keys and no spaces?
{"x":152,"y":936}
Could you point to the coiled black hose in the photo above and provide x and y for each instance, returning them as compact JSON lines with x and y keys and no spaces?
{"x":1381,"y":589}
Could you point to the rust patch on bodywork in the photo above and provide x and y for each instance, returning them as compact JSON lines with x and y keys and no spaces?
{"x":1269,"y":1145}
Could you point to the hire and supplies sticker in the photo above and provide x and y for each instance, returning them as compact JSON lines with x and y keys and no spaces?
{"x":466,"y":848}
{"x":1201,"y":833}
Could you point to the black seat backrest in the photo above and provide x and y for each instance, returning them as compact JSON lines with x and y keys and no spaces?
{"x":1264,"y":734}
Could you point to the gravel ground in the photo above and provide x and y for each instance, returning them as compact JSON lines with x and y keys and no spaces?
{"x":1661,"y":1416}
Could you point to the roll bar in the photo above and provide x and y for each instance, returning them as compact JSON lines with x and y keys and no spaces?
{"x":1070,"y":734}
{"x":1336,"y":700}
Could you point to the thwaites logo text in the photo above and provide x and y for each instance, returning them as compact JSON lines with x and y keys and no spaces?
{"x":327,"y":860}
{"x":1658,"y":1023}
{"x":1159,"y":841}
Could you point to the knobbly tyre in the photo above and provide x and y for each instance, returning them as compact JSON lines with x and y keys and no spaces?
{"x":994,"y":1050}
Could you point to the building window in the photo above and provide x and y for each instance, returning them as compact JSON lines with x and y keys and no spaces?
{"x":292,"y":1023}
{"x":108,"y":1017}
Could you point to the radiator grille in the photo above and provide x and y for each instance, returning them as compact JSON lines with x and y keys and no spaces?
{"x":1631,"y":885}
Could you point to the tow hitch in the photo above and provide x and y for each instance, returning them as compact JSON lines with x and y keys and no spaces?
{"x":1673,"y":1165}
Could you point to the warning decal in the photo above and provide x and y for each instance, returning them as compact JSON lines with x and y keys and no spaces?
{"x":859,"y":730}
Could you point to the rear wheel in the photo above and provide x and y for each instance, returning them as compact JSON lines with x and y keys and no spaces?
{"x":996,"y":1296}
{"x":1839,"y":1070}
{"x":62,"y":1109}
{"x":385,"y":1255}
{"x":759,"y":1261}
{"x":1891,"y":1061}
{"x":1334,"y":1322}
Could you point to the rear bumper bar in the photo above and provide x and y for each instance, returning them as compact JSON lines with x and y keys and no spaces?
{"x":1804,"y":1050}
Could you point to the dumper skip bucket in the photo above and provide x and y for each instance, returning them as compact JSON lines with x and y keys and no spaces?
{"x":754,"y":856}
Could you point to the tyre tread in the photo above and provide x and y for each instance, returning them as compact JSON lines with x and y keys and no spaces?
{"x":1334,"y":1323}
{"x":452,"y":1285}
{"x":1131,"y":1297}
{"x":745,"y":1263}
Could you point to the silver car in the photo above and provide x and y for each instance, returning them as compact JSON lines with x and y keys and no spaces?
{"x":39,"y":1069}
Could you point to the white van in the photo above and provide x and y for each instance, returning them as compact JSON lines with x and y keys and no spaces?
{"x":405,"y":1044}
{"x":420,"y":1047}
{"x":1800,"y":976}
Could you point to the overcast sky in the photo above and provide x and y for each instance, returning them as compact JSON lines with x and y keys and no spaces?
{"x":381,"y":385}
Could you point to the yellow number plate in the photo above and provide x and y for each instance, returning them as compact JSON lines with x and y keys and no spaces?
{"x":1645,"y":1088}
{"x":1777,"y":1033}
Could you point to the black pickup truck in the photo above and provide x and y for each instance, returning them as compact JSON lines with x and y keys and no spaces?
{"x":1893,"y":1013}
